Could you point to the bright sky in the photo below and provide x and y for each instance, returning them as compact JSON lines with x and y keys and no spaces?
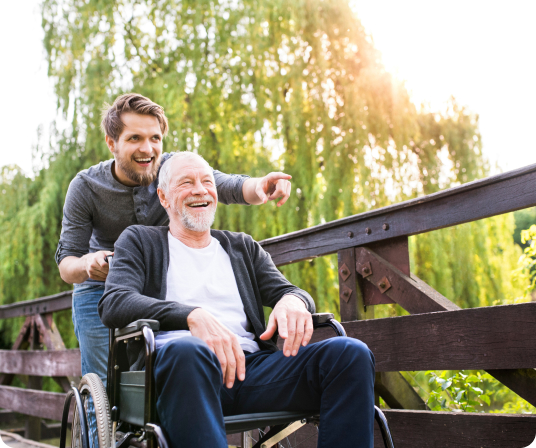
{"x":480,"y":51}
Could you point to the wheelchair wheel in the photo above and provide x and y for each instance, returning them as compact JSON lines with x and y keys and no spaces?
{"x":97,"y":412}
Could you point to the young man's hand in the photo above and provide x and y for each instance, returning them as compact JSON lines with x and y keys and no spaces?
{"x":96,"y":266}
{"x":222,"y":342}
{"x":79,"y":269}
{"x":268,"y":188}
{"x":294,"y":322}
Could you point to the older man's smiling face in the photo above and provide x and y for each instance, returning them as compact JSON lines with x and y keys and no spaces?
{"x":192,"y":194}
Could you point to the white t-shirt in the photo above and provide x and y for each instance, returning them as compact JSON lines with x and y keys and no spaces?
{"x":205,"y":278}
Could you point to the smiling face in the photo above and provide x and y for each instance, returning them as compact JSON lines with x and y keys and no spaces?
{"x":191,"y":199}
{"x":138,"y":149}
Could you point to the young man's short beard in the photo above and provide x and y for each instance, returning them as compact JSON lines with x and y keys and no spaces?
{"x":141,"y":179}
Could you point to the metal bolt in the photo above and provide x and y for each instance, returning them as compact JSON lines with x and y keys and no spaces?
{"x":350,"y":234}
{"x":116,"y":367}
{"x":125,"y":341}
{"x":345,"y":293}
{"x":382,"y":285}
{"x":367,"y":231}
{"x":344,"y":272}
{"x":366,"y":270}
{"x":137,"y":338}
{"x":385,"y":226}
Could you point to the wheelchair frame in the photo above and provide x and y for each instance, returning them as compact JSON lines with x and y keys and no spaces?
{"x":281,"y":424}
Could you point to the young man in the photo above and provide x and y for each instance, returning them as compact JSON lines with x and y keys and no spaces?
{"x":105,"y":199}
{"x":207,"y":288}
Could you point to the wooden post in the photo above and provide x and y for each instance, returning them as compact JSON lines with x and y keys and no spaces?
{"x":352,"y":303}
{"x":32,"y":428}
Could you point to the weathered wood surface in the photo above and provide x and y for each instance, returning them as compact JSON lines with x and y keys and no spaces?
{"x":499,"y":337}
{"x":483,"y":198}
{"x":521,"y":381}
{"x":425,"y":429}
{"x":409,"y":291}
{"x":396,"y":252}
{"x":350,"y":295}
{"x":32,"y":402}
{"x":16,"y":441}
{"x":39,"y":362}
{"x":48,"y":304}
{"x":397,"y":392}
{"x":412,"y":429}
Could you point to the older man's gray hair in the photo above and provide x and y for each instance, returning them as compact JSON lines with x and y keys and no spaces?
{"x":164,"y":178}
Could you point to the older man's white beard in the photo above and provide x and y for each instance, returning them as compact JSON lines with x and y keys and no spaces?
{"x":198,"y":222}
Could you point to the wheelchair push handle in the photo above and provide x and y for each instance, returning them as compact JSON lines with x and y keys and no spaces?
{"x":328,"y":320}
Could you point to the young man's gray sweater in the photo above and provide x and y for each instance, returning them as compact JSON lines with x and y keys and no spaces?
{"x":137,"y":283}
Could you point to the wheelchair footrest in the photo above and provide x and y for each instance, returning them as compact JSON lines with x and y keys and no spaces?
{"x":247,"y":422}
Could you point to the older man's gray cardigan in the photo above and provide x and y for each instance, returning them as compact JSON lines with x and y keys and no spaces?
{"x":137,"y":283}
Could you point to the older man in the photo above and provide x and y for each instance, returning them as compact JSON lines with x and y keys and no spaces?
{"x":207,"y":288}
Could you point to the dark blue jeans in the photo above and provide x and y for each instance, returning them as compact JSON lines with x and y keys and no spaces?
{"x":334,"y":377}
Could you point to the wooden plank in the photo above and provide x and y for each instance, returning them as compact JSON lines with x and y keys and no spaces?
{"x":521,"y":381}
{"x":499,"y":337}
{"x":49,"y":334}
{"x":469,"y":202}
{"x":397,"y":392}
{"x":41,"y":363}
{"x":49,"y":304}
{"x":425,"y":429}
{"x":422,"y":429}
{"x":14,"y":440}
{"x":410,"y":292}
{"x":32,"y":402}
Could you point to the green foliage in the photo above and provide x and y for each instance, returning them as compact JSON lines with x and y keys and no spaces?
{"x":442,"y":391}
{"x":457,"y":392}
{"x":527,"y":261}
{"x":254,"y":87}
{"x":523,"y":220}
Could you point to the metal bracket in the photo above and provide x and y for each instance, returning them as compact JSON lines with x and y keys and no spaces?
{"x":384,"y":285}
{"x":366,"y":269}
{"x":346,"y":293}
{"x":344,"y":271}
{"x":410,"y":292}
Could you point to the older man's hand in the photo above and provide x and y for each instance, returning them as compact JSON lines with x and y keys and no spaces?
{"x":294,"y":322}
{"x":222,"y":342}
{"x":268,"y":188}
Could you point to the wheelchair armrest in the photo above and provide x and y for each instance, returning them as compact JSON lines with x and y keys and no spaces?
{"x":137,"y":326}
{"x":328,"y":320}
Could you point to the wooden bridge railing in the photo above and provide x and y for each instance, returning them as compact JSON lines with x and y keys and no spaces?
{"x":373,"y":269}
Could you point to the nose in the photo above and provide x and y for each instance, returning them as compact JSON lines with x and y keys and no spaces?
{"x":199,"y":188}
{"x":146,"y":147}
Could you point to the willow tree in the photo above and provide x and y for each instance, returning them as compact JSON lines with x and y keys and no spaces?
{"x":254,"y":87}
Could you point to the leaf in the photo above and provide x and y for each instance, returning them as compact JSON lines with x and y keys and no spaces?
{"x":485,"y":399}
{"x":460,"y":395}
{"x":446,"y":384}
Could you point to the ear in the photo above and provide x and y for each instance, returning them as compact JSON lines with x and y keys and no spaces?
{"x":162,"y":197}
{"x":111,"y":144}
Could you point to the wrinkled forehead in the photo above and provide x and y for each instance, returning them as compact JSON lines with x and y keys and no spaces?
{"x":190,"y":168}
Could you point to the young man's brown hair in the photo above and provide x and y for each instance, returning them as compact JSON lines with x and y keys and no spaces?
{"x":111,"y":123}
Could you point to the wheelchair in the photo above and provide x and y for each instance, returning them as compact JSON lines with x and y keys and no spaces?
{"x":126,"y":416}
